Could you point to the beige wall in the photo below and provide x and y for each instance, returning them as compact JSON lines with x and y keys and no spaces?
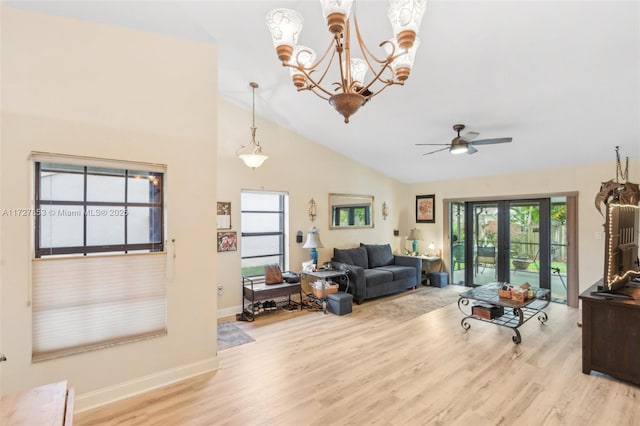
{"x":87,"y":89}
{"x":584,"y":179}
{"x":305,"y":170}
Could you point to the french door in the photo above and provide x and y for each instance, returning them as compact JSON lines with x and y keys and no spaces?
{"x":513,"y":241}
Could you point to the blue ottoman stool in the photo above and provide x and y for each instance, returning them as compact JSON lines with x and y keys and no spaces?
{"x":438,"y":279}
{"x":340,"y":303}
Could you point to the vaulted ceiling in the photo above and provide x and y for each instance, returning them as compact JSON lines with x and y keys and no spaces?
{"x":562,"y":78}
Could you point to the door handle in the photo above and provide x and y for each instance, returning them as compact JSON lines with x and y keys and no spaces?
{"x":2,"y":358}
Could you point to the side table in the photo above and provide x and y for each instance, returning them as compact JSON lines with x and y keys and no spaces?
{"x":326,"y":275}
{"x":428,"y":263}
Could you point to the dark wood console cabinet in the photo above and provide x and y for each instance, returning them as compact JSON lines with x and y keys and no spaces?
{"x":611,"y":334}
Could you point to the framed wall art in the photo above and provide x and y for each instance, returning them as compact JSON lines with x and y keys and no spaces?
{"x":223,"y":219}
{"x":227,"y":241}
{"x":425,"y":208}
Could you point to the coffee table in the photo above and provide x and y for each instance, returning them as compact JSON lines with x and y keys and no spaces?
{"x":515,"y":313}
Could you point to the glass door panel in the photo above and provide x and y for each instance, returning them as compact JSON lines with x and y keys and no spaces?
{"x":524,"y":242}
{"x":485,"y":243}
{"x":457,"y":239}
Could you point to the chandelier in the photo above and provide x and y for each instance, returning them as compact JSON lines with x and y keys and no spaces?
{"x":252,"y":154}
{"x":351,"y":89}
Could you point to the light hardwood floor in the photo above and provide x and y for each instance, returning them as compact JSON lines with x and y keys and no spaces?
{"x":316,"y":369}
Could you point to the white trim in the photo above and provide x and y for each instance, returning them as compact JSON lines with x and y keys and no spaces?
{"x":227,"y":312}
{"x":48,"y":157}
{"x":97,"y":398}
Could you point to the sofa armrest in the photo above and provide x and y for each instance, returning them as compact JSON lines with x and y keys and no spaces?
{"x":356,"y":279}
{"x":414,"y":262}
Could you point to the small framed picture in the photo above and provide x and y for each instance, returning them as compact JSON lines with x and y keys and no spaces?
{"x":425,"y":208}
{"x":223,"y":219}
{"x":227,"y":241}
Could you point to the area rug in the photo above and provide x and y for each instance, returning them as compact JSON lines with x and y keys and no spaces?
{"x":408,"y":304}
{"x":229,"y":335}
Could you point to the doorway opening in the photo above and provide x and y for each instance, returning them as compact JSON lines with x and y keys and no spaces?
{"x":510,"y":240}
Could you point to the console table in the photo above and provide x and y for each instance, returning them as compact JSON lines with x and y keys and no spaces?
{"x":611,"y":334}
{"x":515,"y":313}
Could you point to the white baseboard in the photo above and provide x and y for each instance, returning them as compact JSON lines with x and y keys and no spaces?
{"x":94,"y":399}
{"x":227,"y":312}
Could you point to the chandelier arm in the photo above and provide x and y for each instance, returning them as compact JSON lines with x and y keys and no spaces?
{"x":319,"y":94}
{"x":317,"y":84}
{"x":377,"y":77}
{"x":387,"y":84}
{"x":363,"y":47}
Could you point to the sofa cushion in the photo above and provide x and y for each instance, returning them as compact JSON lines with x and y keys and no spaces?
{"x":400,"y":272}
{"x":378,"y":254}
{"x":377,"y":277}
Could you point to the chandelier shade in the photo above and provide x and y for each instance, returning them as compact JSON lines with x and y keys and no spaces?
{"x":251,"y":154}
{"x":285,"y":26}
{"x":349,"y":87}
{"x":406,"y":17}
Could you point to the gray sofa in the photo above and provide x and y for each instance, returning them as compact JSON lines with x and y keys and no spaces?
{"x":375,"y":271}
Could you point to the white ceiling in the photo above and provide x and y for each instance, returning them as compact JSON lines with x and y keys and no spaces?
{"x":560,"y":77}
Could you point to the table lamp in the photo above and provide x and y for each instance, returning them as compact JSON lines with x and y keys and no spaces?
{"x":313,"y":242}
{"x":415,"y":234}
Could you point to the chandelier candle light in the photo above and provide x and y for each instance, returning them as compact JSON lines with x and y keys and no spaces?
{"x":352,"y":90}
{"x":252,"y":154}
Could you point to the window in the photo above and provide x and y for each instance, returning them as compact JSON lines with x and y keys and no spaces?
{"x":263,"y":224}
{"x":85,"y":210}
{"x":98,"y":273}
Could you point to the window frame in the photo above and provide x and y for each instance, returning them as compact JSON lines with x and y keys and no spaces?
{"x":282,"y":223}
{"x":84,"y":249}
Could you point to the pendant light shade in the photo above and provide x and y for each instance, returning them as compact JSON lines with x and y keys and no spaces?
{"x":252,"y":154}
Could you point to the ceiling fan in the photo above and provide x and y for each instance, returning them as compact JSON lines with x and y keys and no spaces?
{"x":465,"y":143}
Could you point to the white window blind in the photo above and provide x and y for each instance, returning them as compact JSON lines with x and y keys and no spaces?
{"x":84,"y":303}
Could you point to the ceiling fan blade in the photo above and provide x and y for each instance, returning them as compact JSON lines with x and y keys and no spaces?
{"x":437,"y":150}
{"x":469,"y":136}
{"x":447,"y":144}
{"x":492,"y":141}
{"x":471,"y":149}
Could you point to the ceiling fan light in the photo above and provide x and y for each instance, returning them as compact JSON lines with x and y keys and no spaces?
{"x":405,"y":17}
{"x":458,"y":147}
{"x":285,"y":26}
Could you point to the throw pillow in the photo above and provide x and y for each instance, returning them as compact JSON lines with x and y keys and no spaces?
{"x":379,"y":254}
{"x":342,"y":255}
{"x":359,"y":257}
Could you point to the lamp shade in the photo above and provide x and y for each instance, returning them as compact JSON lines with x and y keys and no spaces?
{"x":415,"y":234}
{"x":313,"y":239}
{"x":253,"y":160}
